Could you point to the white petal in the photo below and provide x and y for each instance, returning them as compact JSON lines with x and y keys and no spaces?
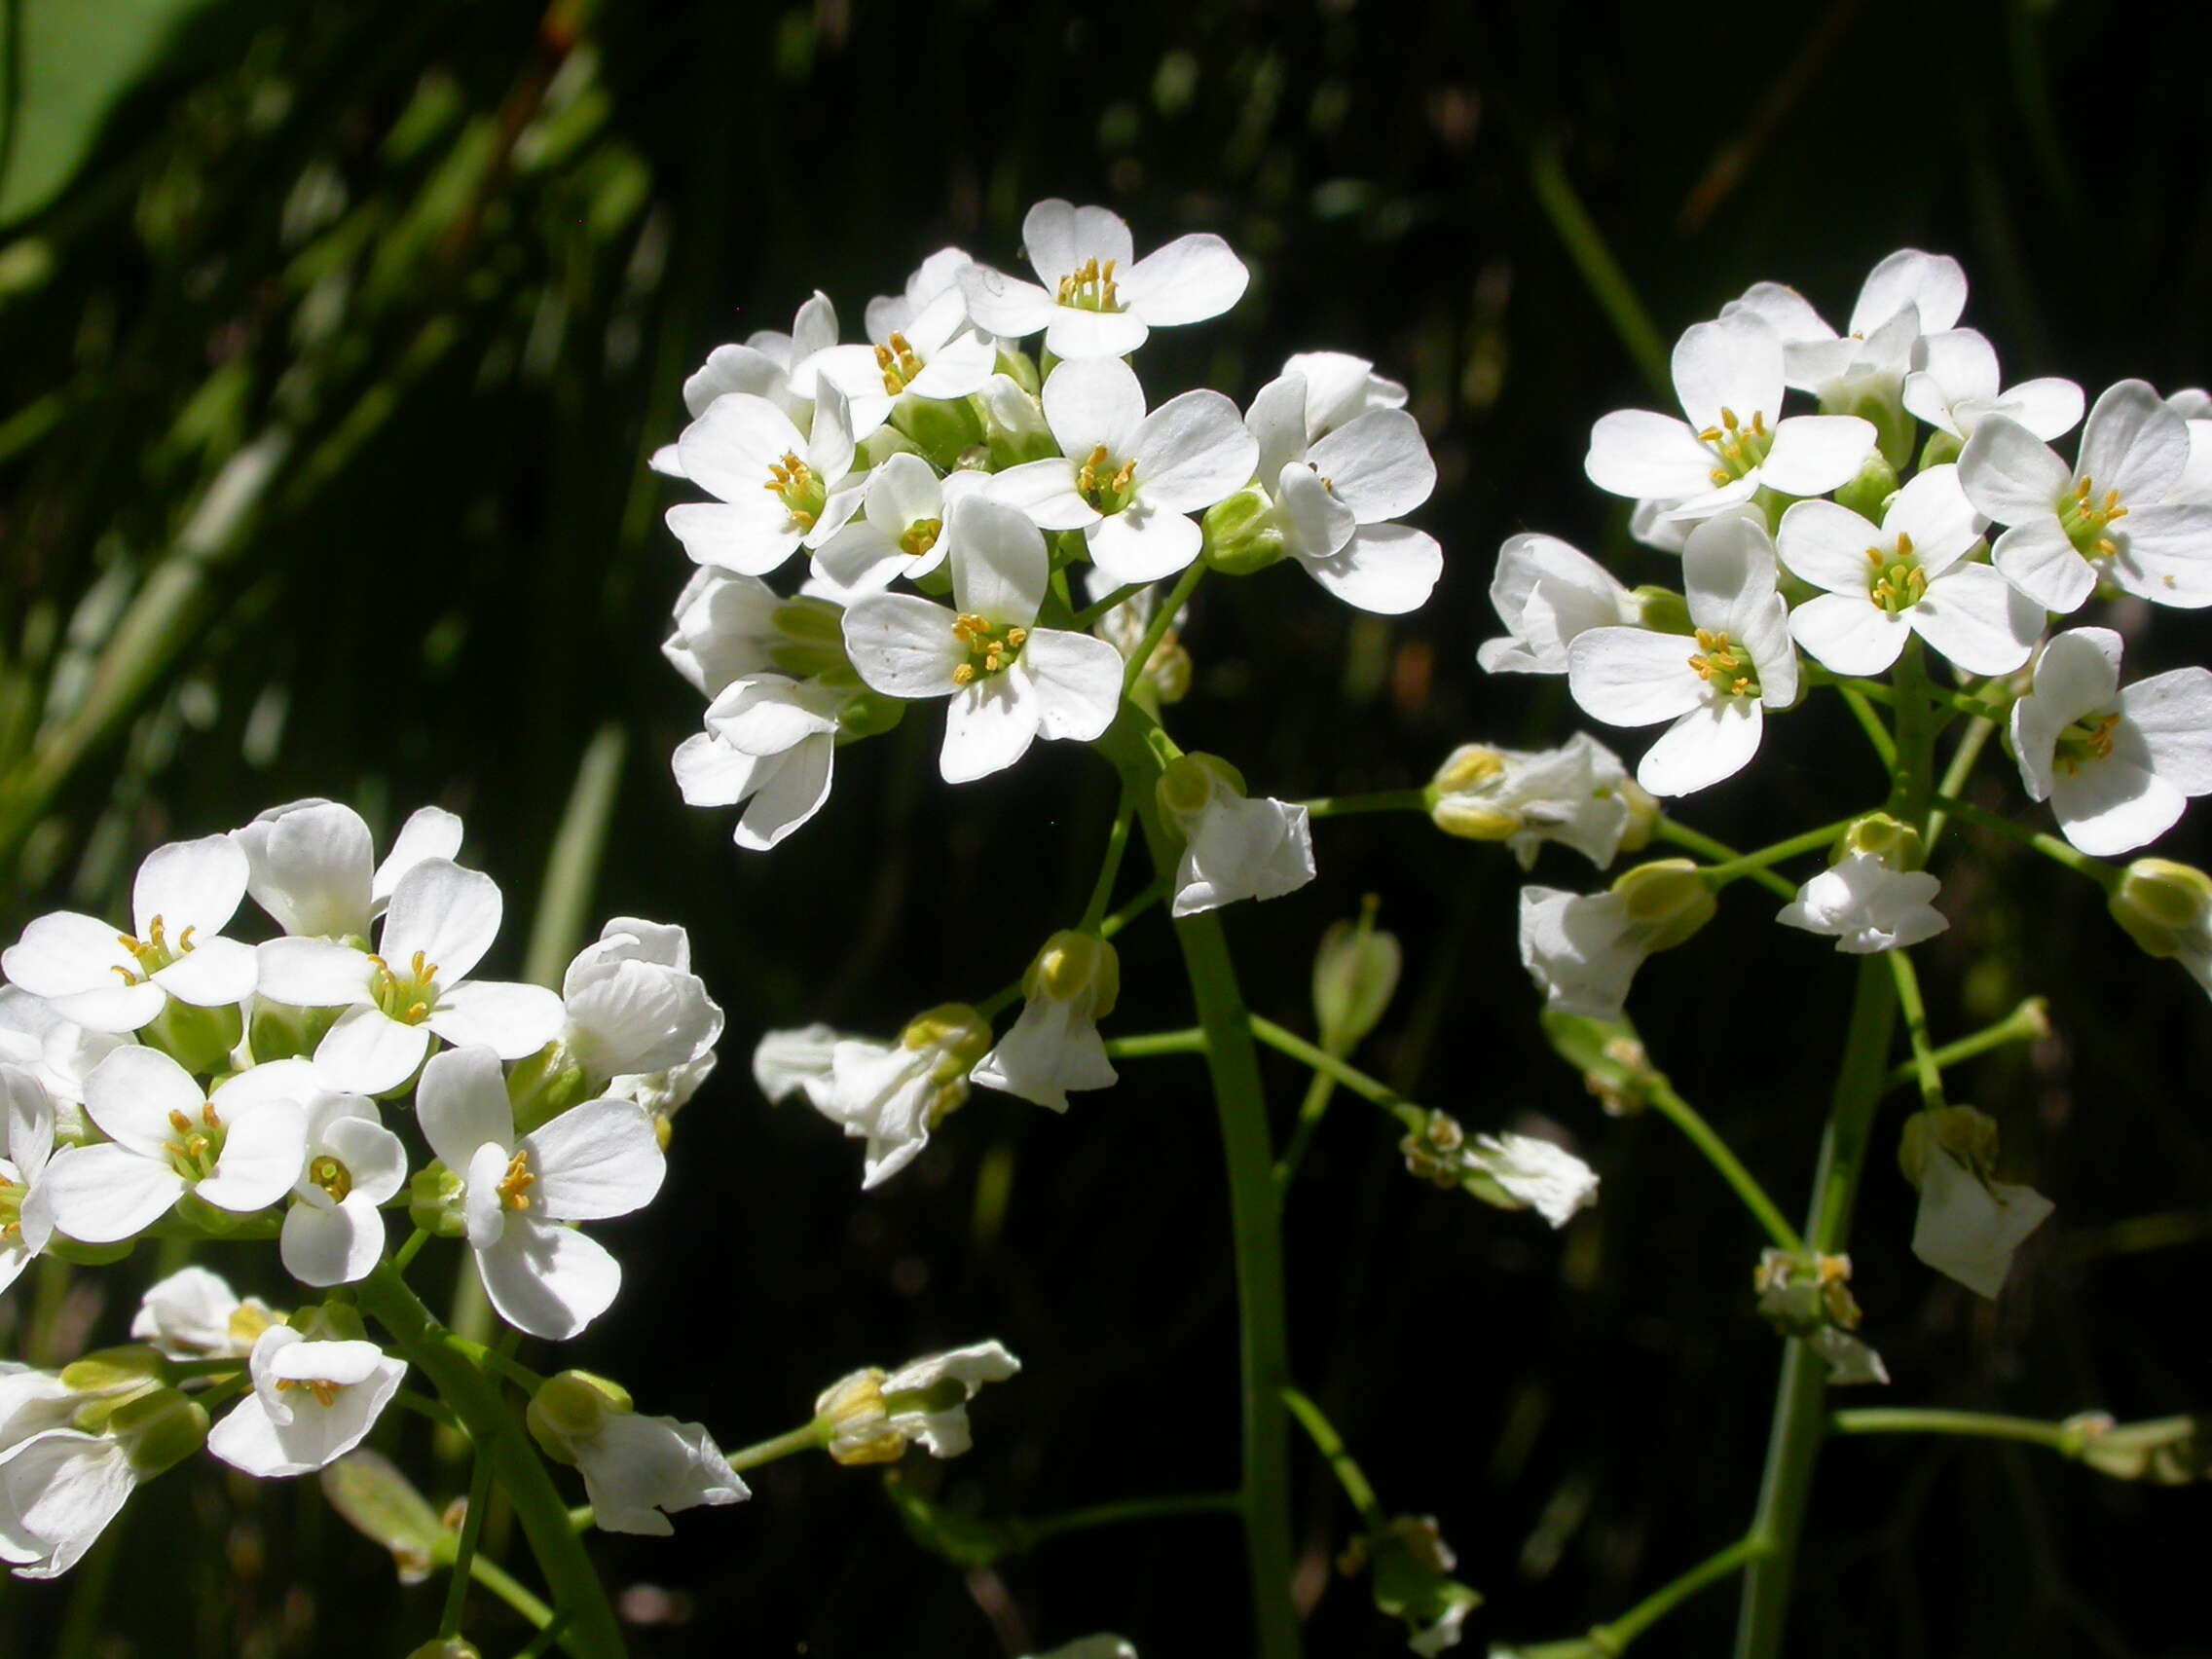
{"x":1086,"y":336}
{"x":429,"y":832}
{"x":751,"y":538}
{"x":338,"y":1245}
{"x":1190,"y":280}
{"x":368,"y":1052}
{"x":791,"y":790}
{"x":189,"y":884}
{"x":1634,"y":452}
{"x":1934,"y":510}
{"x":989,"y":725}
{"x":2049,"y":408}
{"x":1732,"y":364}
{"x":1815,"y":453}
{"x":1826,"y":546}
{"x":374,"y":1156}
{"x":1000,"y":567}
{"x":111,"y":1010}
{"x":2172,"y":713}
{"x":1094,"y":403}
{"x":727,"y":449}
{"x":548,"y":1282}
{"x":1143,"y":544}
{"x":1851,"y":634}
{"x":709,"y":772}
{"x":2132,"y":443}
{"x":1933,"y":283}
{"x":2166,"y":554}
{"x":1192,"y":452}
{"x":1006,"y":306}
{"x":309,"y":867}
{"x":263,"y":1154}
{"x":1969,"y":1231}
{"x":1059,"y":237}
{"x":2111,"y":805}
{"x":214,"y":973}
{"x":2011,"y":475}
{"x":65,"y":952}
{"x":131,"y":1093}
{"x":1388,"y":569}
{"x":1978,"y":620}
{"x":510,"y":1019}
{"x":1045,"y":490}
{"x":312,"y":973}
{"x":902,"y":644}
{"x":1379,"y":465}
{"x":597,"y":1160}
{"x":1314,"y":524}
{"x":1077,"y":680}
{"x":449,"y":914}
{"x":462,"y":1104}
{"x":1632,"y":677}
{"x":103,"y":1193}
{"x":1703,"y":746}
{"x":2035,"y":557}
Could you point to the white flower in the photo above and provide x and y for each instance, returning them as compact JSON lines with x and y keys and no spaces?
{"x":1234,"y":847}
{"x":105,"y":980}
{"x":1547,"y":593}
{"x":779,"y":367}
{"x":1907,"y":295}
{"x":1954,"y":386}
{"x":58,"y":1490}
{"x":1714,"y":687}
{"x":769,"y":745}
{"x":889,"y":1094}
{"x":900,"y":529}
{"x":637,"y":1470}
{"x":441,"y":920}
{"x":59,"y":1053}
{"x":1340,"y":388}
{"x":2117,"y":766}
{"x":311,"y":863}
{"x":777,"y":488}
{"x":1968,"y":1226}
{"x":2105,"y":516}
{"x":194,"y":1314}
{"x":726,"y":627}
{"x":1865,"y":905}
{"x":938,"y":274}
{"x":1582,"y":949}
{"x":1009,"y":680}
{"x":1579,"y":794}
{"x":27,"y":1142}
{"x":597,"y":1160}
{"x":1096,"y":301}
{"x":334,"y":1230}
{"x":1053,"y":1045}
{"x":934,"y":354}
{"x":877,"y":1414}
{"x":785,"y":1063}
{"x":1335,"y":495}
{"x":1534,"y":1174}
{"x":1729,"y":376}
{"x":313,"y":1402}
{"x":1126,"y":479}
{"x":2194,"y":405}
{"x":239,"y":1149}
{"x":1912,"y":576}
{"x":633,"y":1003}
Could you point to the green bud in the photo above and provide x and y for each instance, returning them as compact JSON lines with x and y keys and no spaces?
{"x":107,"y":1371}
{"x":159,"y":1429}
{"x":1868,"y":494}
{"x":1455,"y":797}
{"x":1941,"y":450}
{"x":1076,"y":966}
{"x":329,"y":1322}
{"x":1411,"y":1577}
{"x":1663,"y":610}
{"x":378,"y":1501}
{"x":879,"y":446}
{"x":1895,"y":843}
{"x":1020,"y":368}
{"x":869,"y":715}
{"x":941,"y":428}
{"x":88,"y":1255}
{"x":1883,"y":407}
{"x":2164,"y":906}
{"x":1188,"y":782}
{"x":1015,"y":429}
{"x":1668,"y":899}
{"x":1356,"y":974}
{"x":1610,"y":1055}
{"x":279,"y":1031}
{"x":540,"y":1088}
{"x":434,"y":1199}
{"x":198,"y":1039}
{"x":811,"y":638}
{"x":570,"y":1407}
{"x":1242,"y":534}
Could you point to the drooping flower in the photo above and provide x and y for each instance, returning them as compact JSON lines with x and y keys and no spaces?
{"x":1729,"y":376}
{"x":311,"y":863}
{"x":1234,"y":847}
{"x":440,"y":922}
{"x":26,"y":1143}
{"x":1009,"y":682}
{"x":1954,"y":386}
{"x":769,"y":745}
{"x":1910,"y":576}
{"x":1578,"y":794}
{"x":1582,"y":949}
{"x":877,"y":1414}
{"x":2107,"y":516}
{"x":59,"y":1490}
{"x":2166,"y":908}
{"x":597,"y":1160}
{"x":1547,"y":593}
{"x":185,"y":893}
{"x":194,"y":1314}
{"x":1867,"y":905}
{"x":889,"y":1094}
{"x":785,"y":1063}
{"x":2117,"y":766}
{"x":239,"y":1149}
{"x":313,"y":1402}
{"x":1969,"y":1224}
{"x":1098,"y":300}
{"x":1714,"y":688}
{"x":334,"y":1230}
{"x":1053,"y":1045}
{"x":637,"y":1470}
{"x":633,"y":1003}
{"x":1128,"y":480}
{"x":1510,"y":1171}
{"x":776,"y":488}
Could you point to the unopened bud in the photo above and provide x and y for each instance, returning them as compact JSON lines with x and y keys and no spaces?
{"x":2166,"y":908}
{"x":1076,"y":968}
{"x":1356,"y":974}
{"x":329,"y":1322}
{"x":860,"y":1425}
{"x":1456,"y":801}
{"x":159,"y":1429}
{"x":1242,"y":534}
{"x":1663,"y":610}
{"x":1189,"y":783}
{"x":1667,"y":899}
{"x":1895,"y":843}
{"x":114,"y":1370}
{"x":868,"y":714}
{"x":1013,"y":421}
{"x":941,"y":428}
{"x":570,"y":1407}
{"x":434,"y":1202}
{"x":810,"y":637}
{"x":368,"y":1490}
{"x":1868,"y":494}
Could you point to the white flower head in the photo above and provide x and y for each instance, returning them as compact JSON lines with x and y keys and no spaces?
{"x":1578,"y":794}
{"x":1234,"y":847}
{"x":1009,"y":680}
{"x":311,"y":864}
{"x":1582,"y":950}
{"x":183,"y":898}
{"x":1714,"y":688}
{"x":1098,"y":299}
{"x":2107,"y":516}
{"x":770,"y":746}
{"x":899,"y":531}
{"x":889,"y":1094}
{"x":729,"y":626}
{"x":1729,"y":376}
{"x":59,"y":1053}
{"x":1907,"y":296}
{"x":1547,"y":593}
{"x":313,"y":1402}
{"x":2117,"y":766}
{"x":26,"y":1143}
{"x":771,"y":364}
{"x":637,"y":1470}
{"x":633,"y":1003}
{"x":59,"y":1490}
{"x":440,"y":922}
{"x":1053,"y":1045}
{"x":597,"y":1160}
{"x":194,"y":1314}
{"x":1527,"y":1173}
{"x":1865,"y":905}
{"x":934,"y":354}
{"x":240,"y":1148}
{"x":1910,"y":576}
{"x":334,"y":1230}
{"x":1953,"y":385}
{"x":1335,"y":493}
{"x":877,"y":1414}
{"x":776,"y":490}
{"x":1969,"y":1224}
{"x":1129,"y":480}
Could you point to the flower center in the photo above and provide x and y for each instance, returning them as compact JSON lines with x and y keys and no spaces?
{"x":1894,"y":580}
{"x":1104,"y":485}
{"x":1728,"y":668}
{"x":1090,"y":286}
{"x":332,"y":1176}
{"x":2083,"y":518}
{"x":10,"y":1204}
{"x":799,"y":486}
{"x":407,"y":998}
{"x":322,"y":1389}
{"x":1739,"y":448}
{"x":897,"y":359}
{"x":196,"y":1146}
{"x":921,"y":536}
{"x":514,"y":1188}
{"x":2086,"y":740}
{"x":152,"y":953}
{"x":991,"y":648}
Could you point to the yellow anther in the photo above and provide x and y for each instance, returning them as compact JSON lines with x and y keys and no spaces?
{"x":1710,"y":436}
{"x":921,"y":536}
{"x":416,"y":1014}
{"x":1874,"y":556}
{"x":963,"y":673}
{"x":324,"y":1390}
{"x":1718,"y":475}
{"x":154,"y":934}
{"x":2081,"y":490}
{"x":207,"y":1114}
{"x":129,"y":978}
{"x":1758,"y":422}
{"x":184,"y":939}
{"x":1728,"y":418}
{"x":1014,"y":637}
{"x":424,"y":971}
{"x":2107,"y":546}
{"x":514,"y":1189}
{"x":179,"y":1122}
{"x":1128,"y":470}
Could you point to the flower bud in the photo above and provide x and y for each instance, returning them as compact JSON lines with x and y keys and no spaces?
{"x":159,"y":1430}
{"x":861,"y":1431}
{"x":1895,"y":843}
{"x":198,"y":1039}
{"x":1610,"y":1055}
{"x":1456,"y":801}
{"x":570,"y":1407}
{"x":1868,"y":494}
{"x":329,"y":1322}
{"x":879,"y":446}
{"x":941,"y":428}
{"x":368,"y":1490}
{"x":1014,"y":422}
{"x":1189,"y":783}
{"x":1020,"y":368}
{"x":114,"y":1370}
{"x":2164,"y":906}
{"x":2174,"y":1450}
{"x":1076,"y":966}
{"x":282,"y":1032}
{"x":1242,"y":534}
{"x":434,"y":1202}
{"x":1663,"y":610}
{"x":1667,"y":900}
{"x":1356,"y":974}
{"x":868,"y":714}
{"x":810,"y":637}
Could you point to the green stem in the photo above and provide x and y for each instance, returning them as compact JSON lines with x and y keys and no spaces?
{"x":1109,"y":866}
{"x":2030,"y":1022}
{"x":1963,"y":760}
{"x":808,"y":1437}
{"x":1720,"y":852}
{"x":1150,"y":1044}
{"x":1870,"y":723}
{"x":1924,"y":1064}
{"x":1615,"y":1638}
{"x":1980,"y":1426}
{"x":1601,"y":273}
{"x":1319,"y":1089}
{"x":1329,"y":1065}
{"x":1127,"y":1509}
{"x":1163,"y":619}
{"x":1255,"y":1212}
{"x":465,"y":1550}
{"x":1083,"y":622}
{"x":2105,"y":875}
{"x":1130,"y":912}
{"x":592,"y":1631}
{"x":1747,"y":863}
{"x":1330,"y":1443}
{"x":1684,"y":1116}
{"x":1380,"y":800}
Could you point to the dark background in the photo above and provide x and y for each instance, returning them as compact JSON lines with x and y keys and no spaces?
{"x":449,"y":264}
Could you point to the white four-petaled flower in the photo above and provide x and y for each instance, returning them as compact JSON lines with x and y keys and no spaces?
{"x":1865,"y":905}
{"x":313,"y":1402}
